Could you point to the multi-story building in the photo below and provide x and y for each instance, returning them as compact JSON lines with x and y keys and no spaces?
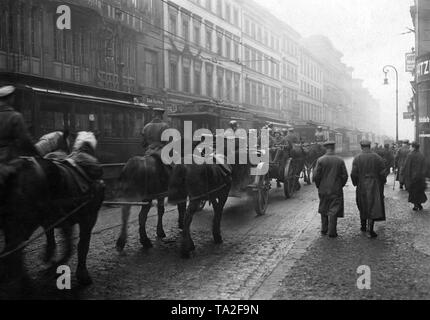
{"x":262,"y":60}
{"x":336,"y":82}
{"x":202,"y":52}
{"x":84,"y":77}
{"x":311,"y":93}
{"x":420,"y":13}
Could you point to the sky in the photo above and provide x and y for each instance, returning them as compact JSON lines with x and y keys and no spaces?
{"x":369,"y":34}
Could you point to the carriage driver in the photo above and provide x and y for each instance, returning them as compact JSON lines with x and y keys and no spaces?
{"x":292,"y":137}
{"x":152,"y":133}
{"x":15,"y":140}
{"x":319,"y":135}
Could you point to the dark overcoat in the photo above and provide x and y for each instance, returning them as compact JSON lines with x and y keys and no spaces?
{"x":368,"y":175}
{"x":415,"y":177}
{"x":400,"y":159}
{"x":330,"y":178}
{"x":15,"y":140}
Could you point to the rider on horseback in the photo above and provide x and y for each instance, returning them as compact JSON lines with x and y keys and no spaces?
{"x":15,"y":140}
{"x":152,"y":133}
{"x":319,"y":135}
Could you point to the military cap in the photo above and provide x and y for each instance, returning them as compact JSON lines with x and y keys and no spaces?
{"x":415,"y":144}
{"x":233,"y":122}
{"x":6,"y":91}
{"x":329,"y":143}
{"x":319,"y":127}
{"x":406,"y":141}
{"x":161,"y":110}
{"x":365,"y":143}
{"x":291,"y":129}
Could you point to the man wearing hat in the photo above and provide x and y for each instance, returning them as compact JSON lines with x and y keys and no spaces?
{"x":231,"y":131}
{"x":15,"y":140}
{"x":330,"y":178}
{"x":400,"y":161}
{"x":368,"y":176}
{"x":319,"y":135}
{"x":415,"y":177}
{"x":152,"y":133}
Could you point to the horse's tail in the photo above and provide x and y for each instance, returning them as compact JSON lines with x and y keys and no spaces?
{"x":178,"y":190}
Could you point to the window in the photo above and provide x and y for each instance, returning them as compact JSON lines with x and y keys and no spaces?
{"x":219,"y":44}
{"x":67,"y":46}
{"x":197,"y":77}
{"x":208,"y":40}
{"x":150,"y":69}
{"x":253,"y":93}
{"x":76,"y":48}
{"x":173,"y":23}
{"x":220,"y":83}
{"x":209,"y":79}
{"x":228,"y":85}
{"x":228,"y":12}
{"x":173,"y":72}
{"x":4,"y":23}
{"x":35,"y":32}
{"x":260,"y":95}
{"x":236,"y":50}
{"x":236,"y":87}
{"x":209,"y":5}
{"x":219,"y":7}
{"x":228,"y":48}
{"x":197,"y":34}
{"x":186,"y":78}
{"x":236,"y":17}
{"x":185,"y":29}
{"x":247,"y":91}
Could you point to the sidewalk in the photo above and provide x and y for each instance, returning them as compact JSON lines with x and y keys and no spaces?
{"x":399,"y":259}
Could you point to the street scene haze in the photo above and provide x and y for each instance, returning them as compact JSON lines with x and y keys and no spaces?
{"x":214,"y":150}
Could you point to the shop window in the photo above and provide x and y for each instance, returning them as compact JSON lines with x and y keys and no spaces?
{"x":51,"y":121}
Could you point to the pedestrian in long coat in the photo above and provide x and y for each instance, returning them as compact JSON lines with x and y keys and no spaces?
{"x":400,"y":161}
{"x":330,"y":178}
{"x":388,"y":157}
{"x":415,"y":177}
{"x":368,"y":175}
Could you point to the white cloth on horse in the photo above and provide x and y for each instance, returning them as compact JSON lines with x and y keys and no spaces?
{"x":49,"y":143}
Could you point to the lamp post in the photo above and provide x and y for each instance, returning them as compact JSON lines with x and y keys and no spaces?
{"x":386,"y":70}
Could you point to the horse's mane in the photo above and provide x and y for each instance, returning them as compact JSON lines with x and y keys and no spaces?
{"x":83,"y":138}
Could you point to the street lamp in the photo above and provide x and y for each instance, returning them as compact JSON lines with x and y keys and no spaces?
{"x":386,"y":70}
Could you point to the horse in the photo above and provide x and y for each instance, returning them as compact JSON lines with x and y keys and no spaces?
{"x":313,"y":152}
{"x":200,"y":182}
{"x":54,"y":145}
{"x":298,"y":155}
{"x":49,"y":194}
{"x":145,"y":178}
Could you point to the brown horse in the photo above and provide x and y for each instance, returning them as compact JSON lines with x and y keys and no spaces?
{"x":200,"y":182}
{"x":43,"y":193}
{"x":145,"y":179}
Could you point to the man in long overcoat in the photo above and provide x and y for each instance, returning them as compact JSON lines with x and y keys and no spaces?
{"x":400,"y":161}
{"x":415,"y":177}
{"x":388,"y":157}
{"x":330,"y":178}
{"x":368,"y":175}
{"x":15,"y":140}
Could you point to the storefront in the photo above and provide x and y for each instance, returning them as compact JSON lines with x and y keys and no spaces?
{"x":423,"y":97}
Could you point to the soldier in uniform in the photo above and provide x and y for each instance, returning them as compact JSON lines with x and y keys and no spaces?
{"x":400,"y":161}
{"x":319,"y":135}
{"x":368,"y":176}
{"x":231,"y":131}
{"x":152,"y":133}
{"x":15,"y":140}
{"x":330,"y":178}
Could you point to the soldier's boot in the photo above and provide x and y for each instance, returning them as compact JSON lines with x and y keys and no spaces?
{"x":372,"y":233}
{"x":332,"y":226}
{"x":324,"y":225}
{"x":363,"y":225}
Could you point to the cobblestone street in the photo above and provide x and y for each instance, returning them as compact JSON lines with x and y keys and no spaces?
{"x":278,"y":256}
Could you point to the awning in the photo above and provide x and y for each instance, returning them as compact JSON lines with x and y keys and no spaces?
{"x":72,"y":95}
{"x":193,"y":114}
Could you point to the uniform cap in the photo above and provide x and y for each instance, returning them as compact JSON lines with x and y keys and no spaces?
{"x":329,"y":143}
{"x":159,"y":110}
{"x":415,"y":144}
{"x":6,"y":91}
{"x":365,"y":143}
{"x":291,"y":129}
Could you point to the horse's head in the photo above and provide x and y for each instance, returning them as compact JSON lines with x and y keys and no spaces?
{"x":85,"y":142}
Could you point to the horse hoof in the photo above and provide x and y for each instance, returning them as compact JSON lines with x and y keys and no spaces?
{"x":218,"y":240}
{"x":146,"y":243}
{"x":161,"y":235}
{"x":120,"y":245}
{"x":84,"y":278}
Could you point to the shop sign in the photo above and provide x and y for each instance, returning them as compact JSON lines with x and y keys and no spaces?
{"x":410,"y":62}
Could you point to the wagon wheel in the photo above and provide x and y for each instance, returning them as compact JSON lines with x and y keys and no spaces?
{"x":289,"y":179}
{"x":261,"y":194}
